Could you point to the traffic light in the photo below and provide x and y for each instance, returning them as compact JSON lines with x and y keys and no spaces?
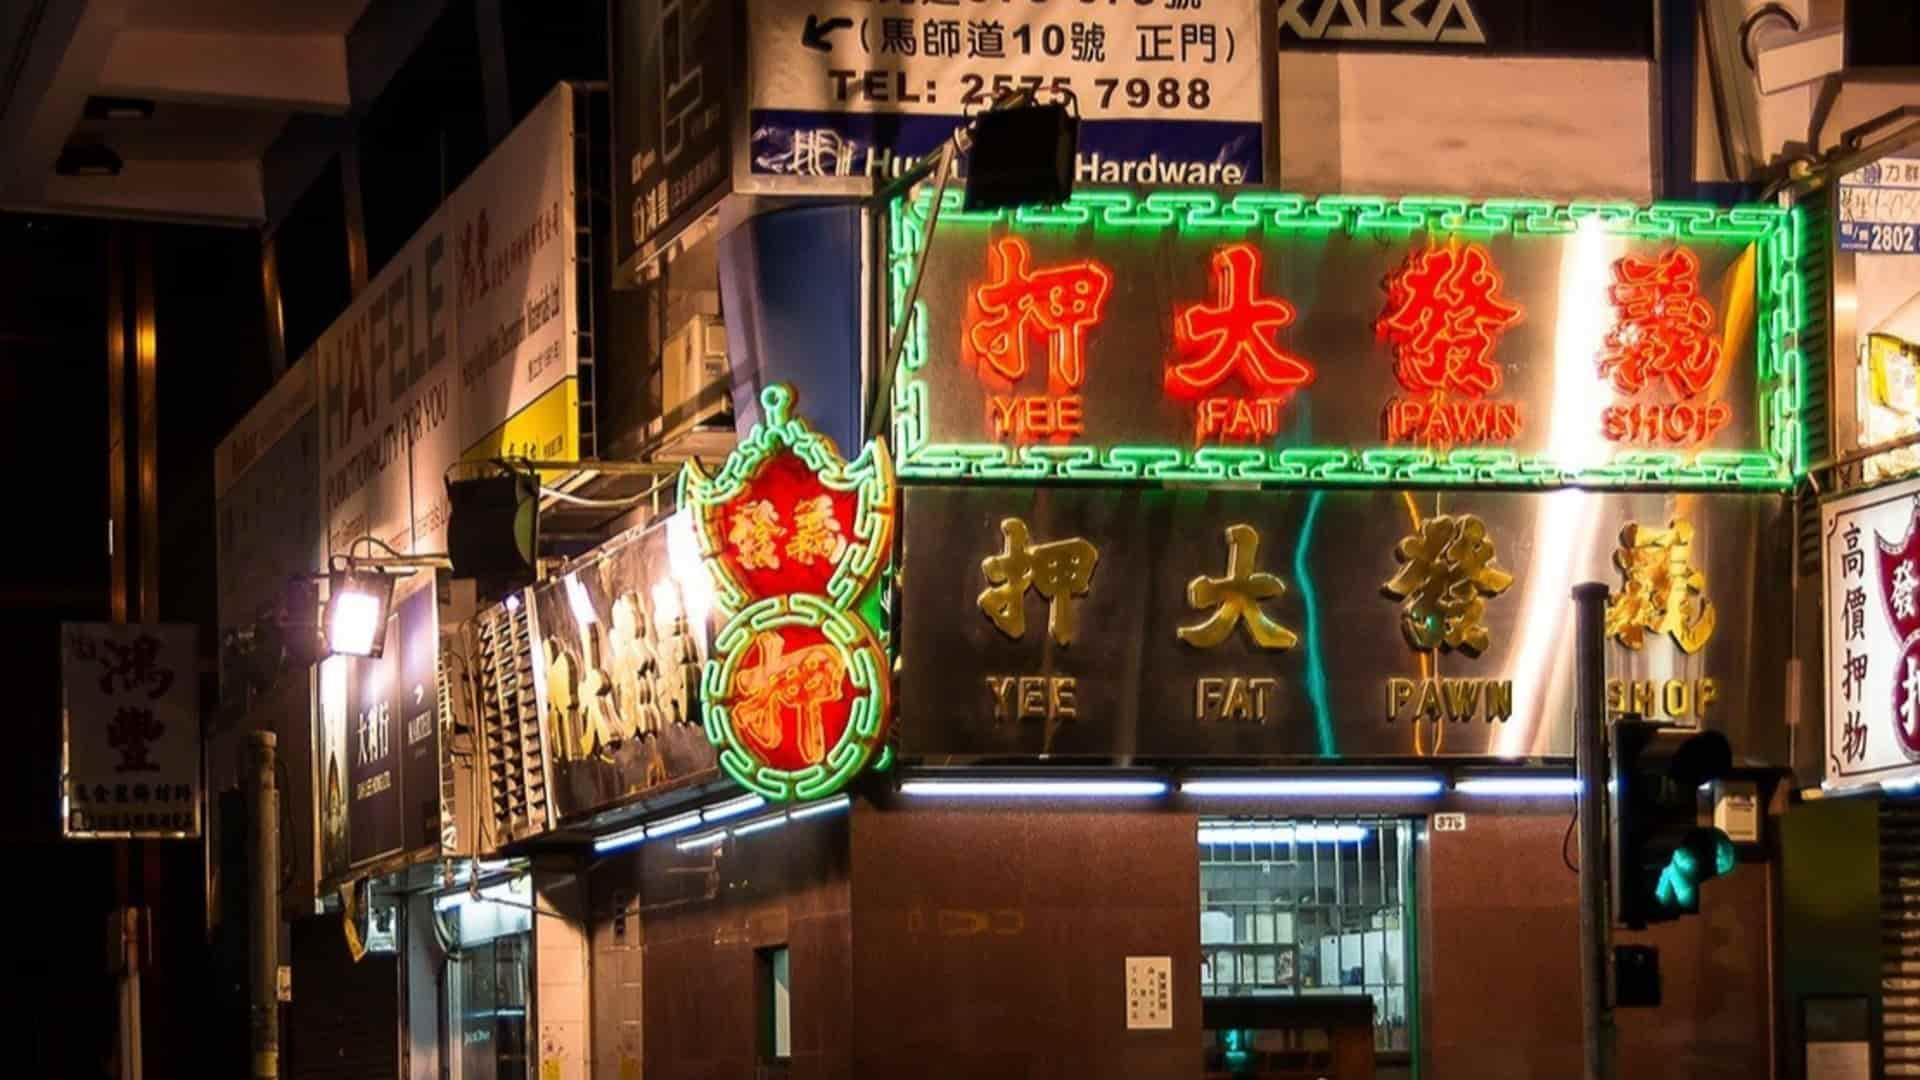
{"x":1661,"y":853}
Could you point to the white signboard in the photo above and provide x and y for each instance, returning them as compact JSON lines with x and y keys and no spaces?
{"x":1880,"y":207}
{"x":131,"y":719}
{"x":511,"y":231}
{"x":1168,"y":92}
{"x":1870,"y":554}
{"x":387,"y":402}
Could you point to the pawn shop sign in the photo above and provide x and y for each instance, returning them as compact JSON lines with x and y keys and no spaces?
{"x":795,"y":539}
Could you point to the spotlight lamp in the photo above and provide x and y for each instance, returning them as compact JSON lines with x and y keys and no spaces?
{"x":357,"y":606}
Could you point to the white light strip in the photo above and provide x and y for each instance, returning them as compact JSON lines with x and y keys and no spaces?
{"x":762,"y":825}
{"x":801,"y":813}
{"x":704,"y":840}
{"x":621,"y":839}
{"x":733,"y":808}
{"x":1282,"y":834}
{"x":673,"y":825}
{"x":1324,"y":787}
{"x":1067,"y":789}
{"x":1519,"y":786}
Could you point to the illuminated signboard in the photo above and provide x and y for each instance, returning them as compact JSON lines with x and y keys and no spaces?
{"x":1094,"y":622}
{"x":795,"y":540}
{"x":1871,"y":555}
{"x":1348,"y":340}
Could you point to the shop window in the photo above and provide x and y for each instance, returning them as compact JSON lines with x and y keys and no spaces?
{"x":775,"y":990}
{"x":1312,"y":906}
{"x":489,"y":965}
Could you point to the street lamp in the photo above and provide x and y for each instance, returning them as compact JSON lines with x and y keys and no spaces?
{"x":357,"y":605}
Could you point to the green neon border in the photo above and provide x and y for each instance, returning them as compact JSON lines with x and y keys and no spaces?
{"x":863,"y":741}
{"x":1780,"y":319}
{"x":870,"y":478}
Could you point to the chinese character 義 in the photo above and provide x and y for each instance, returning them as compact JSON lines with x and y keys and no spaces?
{"x":1663,"y":329}
{"x":1058,"y":570}
{"x":816,"y":532}
{"x":1660,"y":588}
{"x":1236,"y":598}
{"x":1447,"y":573}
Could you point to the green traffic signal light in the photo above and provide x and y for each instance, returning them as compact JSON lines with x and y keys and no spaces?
{"x":1704,"y":855}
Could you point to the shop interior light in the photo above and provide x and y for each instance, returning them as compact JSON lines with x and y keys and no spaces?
{"x":1067,"y":789}
{"x":677,"y":824}
{"x":833,"y":805}
{"x":1519,"y":786}
{"x":761,"y":825}
{"x":1322,"y":787}
{"x":357,"y":606}
{"x":1282,"y":834}
{"x":617,"y":840}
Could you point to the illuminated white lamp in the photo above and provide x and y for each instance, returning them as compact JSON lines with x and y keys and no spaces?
{"x":678,"y":824}
{"x":762,"y":825}
{"x":1282,"y":834}
{"x":833,"y":805}
{"x":357,"y":605}
{"x":1317,"y":787}
{"x":616,"y":840}
{"x":704,"y":840}
{"x":746,"y":804}
{"x":1519,"y":787}
{"x":1058,"y":789}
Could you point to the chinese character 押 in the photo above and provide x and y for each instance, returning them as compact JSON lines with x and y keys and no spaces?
{"x":1058,"y":570}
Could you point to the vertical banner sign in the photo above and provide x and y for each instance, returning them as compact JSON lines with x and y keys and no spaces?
{"x":330,"y":763}
{"x":417,"y":622}
{"x":1169,"y":92}
{"x":511,"y":227}
{"x":1870,"y":556}
{"x":796,"y":541}
{"x":131,"y":755}
{"x":373,"y":757}
{"x":672,"y":74}
{"x":1880,"y":207}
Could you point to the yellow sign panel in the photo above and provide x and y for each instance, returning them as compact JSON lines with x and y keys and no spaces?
{"x":548,"y":429}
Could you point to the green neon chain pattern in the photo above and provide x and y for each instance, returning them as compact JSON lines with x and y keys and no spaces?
{"x":1782,"y":312}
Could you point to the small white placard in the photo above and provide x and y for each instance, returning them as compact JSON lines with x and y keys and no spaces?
{"x":1149,"y":992}
{"x":1449,"y":823}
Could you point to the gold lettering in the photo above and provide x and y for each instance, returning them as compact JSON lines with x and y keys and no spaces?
{"x":1616,"y":695}
{"x":1239,"y":705}
{"x":1033,"y":697}
{"x":1207,"y":695}
{"x":1678,"y":697}
{"x":1707,"y":693}
{"x":1430,"y":706}
{"x":1461,"y":696}
{"x":1000,"y":688}
{"x":1062,"y":689}
{"x":1261,"y":689}
{"x":1500,"y":700}
{"x":1399,"y":694}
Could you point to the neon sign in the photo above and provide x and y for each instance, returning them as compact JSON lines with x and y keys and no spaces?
{"x":795,"y":539}
{"x":1278,"y":339}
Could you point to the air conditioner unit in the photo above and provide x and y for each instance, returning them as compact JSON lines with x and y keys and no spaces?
{"x":696,"y":399}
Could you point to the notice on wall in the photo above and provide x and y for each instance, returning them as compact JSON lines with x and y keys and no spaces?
{"x":131,"y":757}
{"x":1870,"y":556}
{"x":1169,"y":92}
{"x":672,"y":74}
{"x":1880,"y":207}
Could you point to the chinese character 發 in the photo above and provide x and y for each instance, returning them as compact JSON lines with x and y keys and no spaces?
{"x":1660,"y":588}
{"x":1853,"y":677}
{"x":755,"y":535}
{"x":1853,"y":561}
{"x":777,"y":689}
{"x":1853,"y":613}
{"x":132,"y":732}
{"x":1236,"y":333}
{"x":1663,"y":328}
{"x":1058,"y":571}
{"x":1444,"y":316}
{"x":1089,"y":42}
{"x":941,"y":37}
{"x":1904,"y":584}
{"x":1446,"y":574}
{"x":986,"y":39}
{"x":1059,"y":303}
{"x":1236,"y":598}
{"x":816,"y":532}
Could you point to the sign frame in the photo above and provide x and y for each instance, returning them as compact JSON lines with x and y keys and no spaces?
{"x":1781,"y":318}
{"x":185,"y":672}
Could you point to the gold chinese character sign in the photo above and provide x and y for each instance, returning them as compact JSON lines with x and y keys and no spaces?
{"x":795,"y":540}
{"x":1661,"y":591}
{"x":1236,"y":598}
{"x":1447,"y":573}
{"x":1058,"y":570}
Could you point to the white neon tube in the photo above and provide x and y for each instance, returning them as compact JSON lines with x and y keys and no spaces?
{"x":1066,"y":789}
{"x":1325,"y":787}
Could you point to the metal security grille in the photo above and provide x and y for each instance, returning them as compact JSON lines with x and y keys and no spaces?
{"x":513,"y":754}
{"x":1900,"y":937}
{"x":1303,"y":906}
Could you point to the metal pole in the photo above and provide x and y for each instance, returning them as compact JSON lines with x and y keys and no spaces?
{"x":263,"y":925}
{"x":1590,"y":761}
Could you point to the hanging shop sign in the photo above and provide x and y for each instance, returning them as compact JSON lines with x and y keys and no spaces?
{"x":1880,"y":207}
{"x":130,"y":731}
{"x":795,"y":540}
{"x":377,"y":744}
{"x":673,"y":75}
{"x":1351,"y":340}
{"x":1126,"y":623}
{"x":1876,"y":314}
{"x":1870,"y":555}
{"x":1473,"y":27}
{"x":1166,"y":93}
{"x":620,"y":638}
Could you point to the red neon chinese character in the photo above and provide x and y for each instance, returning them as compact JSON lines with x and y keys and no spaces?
{"x":1017,"y":303}
{"x":1662,"y":328}
{"x":1444,"y":316}
{"x":1236,"y":333}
